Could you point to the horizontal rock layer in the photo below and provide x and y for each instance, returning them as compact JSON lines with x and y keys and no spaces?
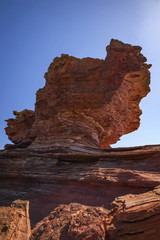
{"x":135,"y":217}
{"x":47,"y":180}
{"x":86,"y":104}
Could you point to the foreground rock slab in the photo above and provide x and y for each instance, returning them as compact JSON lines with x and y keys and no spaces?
{"x":132,"y":217}
{"x":135,"y":217}
{"x":15,"y":222}
{"x":86,"y":104}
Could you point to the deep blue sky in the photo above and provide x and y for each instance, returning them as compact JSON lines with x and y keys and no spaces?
{"x":33,"y":32}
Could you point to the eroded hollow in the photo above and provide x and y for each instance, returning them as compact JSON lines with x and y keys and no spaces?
{"x":133,"y":75}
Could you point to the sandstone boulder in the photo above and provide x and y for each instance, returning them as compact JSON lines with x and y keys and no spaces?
{"x":72,"y":222}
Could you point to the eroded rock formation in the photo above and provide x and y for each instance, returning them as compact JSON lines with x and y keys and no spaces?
{"x":15,"y":222}
{"x":50,"y":179}
{"x":86,"y":104}
{"x":132,"y":217}
{"x":73,"y":221}
{"x":61,"y":155}
{"x":123,"y":178}
{"x":19,"y":129}
{"x":135,"y":217}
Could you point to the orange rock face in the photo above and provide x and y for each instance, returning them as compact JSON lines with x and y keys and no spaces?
{"x":135,"y":217}
{"x":87,"y":104}
{"x":14,"y":221}
{"x":19,"y":129}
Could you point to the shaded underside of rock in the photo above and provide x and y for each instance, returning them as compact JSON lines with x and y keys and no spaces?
{"x":15,"y":222}
{"x":86,"y":104}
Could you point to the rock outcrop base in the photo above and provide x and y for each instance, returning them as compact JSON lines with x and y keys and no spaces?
{"x":132,"y":217}
{"x":118,"y":190}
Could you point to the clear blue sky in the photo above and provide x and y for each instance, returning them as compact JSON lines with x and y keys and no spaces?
{"x":33,"y":32}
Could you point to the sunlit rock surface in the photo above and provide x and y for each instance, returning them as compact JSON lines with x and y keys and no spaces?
{"x":86,"y":104}
{"x":15,"y":222}
{"x":135,"y":217}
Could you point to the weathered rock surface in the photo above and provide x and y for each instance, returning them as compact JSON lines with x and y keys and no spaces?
{"x":135,"y":217}
{"x":86,"y":104}
{"x":132,"y":217}
{"x":73,"y":221}
{"x":15,"y":222}
{"x":61,"y":155}
{"x":19,"y":129}
{"x":50,"y":179}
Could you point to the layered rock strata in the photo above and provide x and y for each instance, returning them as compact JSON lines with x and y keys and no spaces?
{"x":135,"y":217}
{"x":15,"y":222}
{"x":86,"y":104}
{"x":50,"y":179}
{"x":132,"y":217}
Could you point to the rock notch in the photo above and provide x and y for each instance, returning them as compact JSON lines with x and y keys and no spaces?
{"x":86,"y":104}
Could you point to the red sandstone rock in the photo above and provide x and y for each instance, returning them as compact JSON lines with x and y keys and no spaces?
{"x":72,"y":222}
{"x":19,"y":129}
{"x":132,"y":217}
{"x":86,"y":104}
{"x":14,"y":221}
{"x":50,"y":179}
{"x":135,"y":217}
{"x":118,"y":176}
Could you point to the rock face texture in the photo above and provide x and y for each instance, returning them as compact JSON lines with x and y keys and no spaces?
{"x":19,"y":129}
{"x":123,"y":184}
{"x":132,"y":217}
{"x":50,"y":179}
{"x":86,"y":104}
{"x":135,"y":217}
{"x":73,"y":221}
{"x":15,"y":222}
